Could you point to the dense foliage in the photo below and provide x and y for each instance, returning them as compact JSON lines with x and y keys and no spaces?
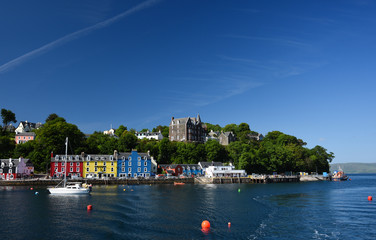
{"x":277,"y":152}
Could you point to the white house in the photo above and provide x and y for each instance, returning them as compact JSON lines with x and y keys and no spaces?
{"x":224,"y":171}
{"x":26,"y":126}
{"x":149,"y":135}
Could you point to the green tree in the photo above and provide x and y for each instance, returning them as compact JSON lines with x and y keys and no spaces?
{"x":164,"y":130}
{"x":215,"y":128}
{"x":51,"y":117}
{"x":99,"y":143}
{"x":127,"y":142}
{"x":7,"y":146}
{"x":120,"y":131}
{"x":215,"y":152}
{"x":8,"y":116}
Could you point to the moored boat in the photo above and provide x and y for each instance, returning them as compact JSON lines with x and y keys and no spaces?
{"x":339,"y":175}
{"x":72,"y":188}
{"x":179,"y":183}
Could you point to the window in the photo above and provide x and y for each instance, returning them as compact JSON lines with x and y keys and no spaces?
{"x":77,"y":169}
{"x":123,"y":164}
{"x":96,"y":169}
{"x":130,"y":158}
{"x":71,"y":169}
{"x":112,"y":169}
{"x":87,"y":164}
{"x":96,"y":164}
{"x":77,"y":157}
{"x":145,"y":169}
{"x":123,"y":169}
{"x":78,"y":175}
{"x":145,"y":163}
{"x":123,"y":157}
{"x":111,"y":158}
{"x":77,"y":164}
{"x":147,"y":175}
{"x":129,"y":163}
{"x":104,"y":163}
{"x":71,"y":164}
{"x":135,"y":175}
{"x":112,"y":164}
{"x":1,"y":170}
{"x":104,"y":169}
{"x":63,"y":163}
{"x":56,"y":169}
{"x":139,"y":158}
{"x":87,"y":169}
{"x":139,"y":164}
{"x":62,"y":169}
{"x":129,"y":169}
{"x":88,"y":158}
{"x":139,"y":169}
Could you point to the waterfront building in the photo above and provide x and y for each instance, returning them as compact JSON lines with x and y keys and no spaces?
{"x":256,"y":136}
{"x":25,"y":126}
{"x":24,"y":137}
{"x":191,"y":169}
{"x":172,"y":169}
{"x":15,"y":168}
{"x":224,"y":171}
{"x":224,"y":138}
{"x":149,"y":135}
{"x":100,"y":166}
{"x":187,"y":129}
{"x":110,"y":132}
{"x":134,"y":164}
{"x":73,"y":168}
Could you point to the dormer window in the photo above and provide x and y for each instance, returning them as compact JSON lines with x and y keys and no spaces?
{"x":96,"y":158}
{"x":57,"y":157}
{"x":139,"y":158}
{"x":88,"y":158}
{"x":77,"y":157}
{"x":123,"y":157}
{"x":70,"y":158}
{"x":111,"y":158}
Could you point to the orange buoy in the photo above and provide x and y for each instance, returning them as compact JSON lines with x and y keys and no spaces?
{"x":205,"y":224}
{"x":369,"y":198}
{"x":89,"y":207}
{"x":229,"y":224}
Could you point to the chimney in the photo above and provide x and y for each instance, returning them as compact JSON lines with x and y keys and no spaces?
{"x":148,"y":152}
{"x":172,"y":118}
{"x":115,"y":154}
{"x":82,"y":154}
{"x":52,"y":154}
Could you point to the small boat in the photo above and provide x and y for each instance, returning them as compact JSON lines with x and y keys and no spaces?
{"x":179,"y":183}
{"x":72,"y":188}
{"x":339,"y":175}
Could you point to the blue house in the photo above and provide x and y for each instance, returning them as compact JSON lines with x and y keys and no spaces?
{"x":134,"y":164}
{"x":192,"y":169}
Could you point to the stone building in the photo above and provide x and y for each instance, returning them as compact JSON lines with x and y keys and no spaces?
{"x":187,"y":129}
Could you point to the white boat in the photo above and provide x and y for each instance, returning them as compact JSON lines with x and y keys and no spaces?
{"x":72,"y":188}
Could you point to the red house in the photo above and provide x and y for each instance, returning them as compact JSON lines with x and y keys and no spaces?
{"x":74,"y":166}
{"x":174,"y":169}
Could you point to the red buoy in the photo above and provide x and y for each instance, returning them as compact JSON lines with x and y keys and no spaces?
{"x":229,"y":224}
{"x":369,"y":198}
{"x":205,"y":224}
{"x":31,"y":188}
{"x":89,"y":207}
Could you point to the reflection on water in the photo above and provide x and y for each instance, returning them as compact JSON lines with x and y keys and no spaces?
{"x":321,"y":210}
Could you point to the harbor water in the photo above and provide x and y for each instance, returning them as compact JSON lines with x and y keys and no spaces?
{"x":309,"y":210}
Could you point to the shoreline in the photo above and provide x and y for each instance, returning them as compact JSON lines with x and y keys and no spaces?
{"x":198,"y":180}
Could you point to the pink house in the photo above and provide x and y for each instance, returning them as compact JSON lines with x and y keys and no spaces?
{"x":24,"y":137}
{"x":15,"y":168}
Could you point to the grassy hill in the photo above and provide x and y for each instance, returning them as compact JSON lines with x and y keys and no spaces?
{"x":349,"y":168}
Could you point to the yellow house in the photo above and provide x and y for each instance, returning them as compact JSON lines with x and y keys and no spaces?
{"x":99,"y":166}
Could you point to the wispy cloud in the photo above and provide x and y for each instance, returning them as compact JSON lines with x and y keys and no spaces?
{"x":75,"y":35}
{"x":283,"y":41}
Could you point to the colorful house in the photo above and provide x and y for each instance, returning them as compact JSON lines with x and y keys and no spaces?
{"x":134,"y":164}
{"x":15,"y":168}
{"x":100,"y":166}
{"x":24,"y":137}
{"x":192,"y":169}
{"x":172,"y":169}
{"x":74,"y":167}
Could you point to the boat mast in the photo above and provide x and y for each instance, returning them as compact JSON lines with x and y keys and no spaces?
{"x":66,"y":156}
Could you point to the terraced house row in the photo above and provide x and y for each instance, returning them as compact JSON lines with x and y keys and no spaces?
{"x":131,"y":164}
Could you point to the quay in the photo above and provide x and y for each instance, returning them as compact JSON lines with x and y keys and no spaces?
{"x":197,"y":180}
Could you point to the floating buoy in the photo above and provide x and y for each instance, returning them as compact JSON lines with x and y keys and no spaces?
{"x":369,"y":198}
{"x":31,"y":188}
{"x":131,"y":190}
{"x":229,"y":224}
{"x":36,"y":193}
{"x":239,"y":190}
{"x":349,"y":179}
{"x":205,"y":224}
{"x":89,"y":207}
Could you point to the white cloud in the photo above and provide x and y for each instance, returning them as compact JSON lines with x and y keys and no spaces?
{"x":75,"y":35}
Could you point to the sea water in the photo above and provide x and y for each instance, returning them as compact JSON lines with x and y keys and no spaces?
{"x":312,"y":210}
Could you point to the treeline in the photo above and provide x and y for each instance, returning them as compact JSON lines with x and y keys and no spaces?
{"x":277,"y":152}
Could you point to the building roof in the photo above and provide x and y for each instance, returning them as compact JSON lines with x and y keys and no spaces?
{"x":26,"y":134}
{"x":15,"y":162}
{"x":207,"y":164}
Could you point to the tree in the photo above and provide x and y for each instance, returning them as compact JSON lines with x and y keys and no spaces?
{"x":119,"y":132}
{"x":215,"y":128}
{"x":51,"y":117}
{"x":7,"y":146}
{"x":8,"y":116}
{"x":215,"y":152}
{"x":144,"y":130}
{"x":127,"y":142}
{"x":99,"y":143}
{"x":165,"y":130}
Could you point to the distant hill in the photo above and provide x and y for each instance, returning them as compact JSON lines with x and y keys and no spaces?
{"x":349,"y":168}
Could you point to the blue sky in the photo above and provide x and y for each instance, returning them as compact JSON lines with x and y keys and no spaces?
{"x":305,"y":68}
